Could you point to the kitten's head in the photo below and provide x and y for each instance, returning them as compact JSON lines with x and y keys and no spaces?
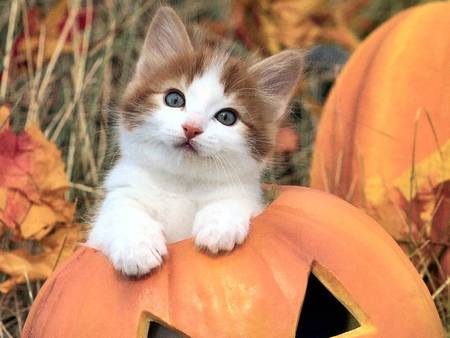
{"x":193,"y":104}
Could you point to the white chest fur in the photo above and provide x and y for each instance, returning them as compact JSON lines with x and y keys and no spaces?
{"x":173,"y":201}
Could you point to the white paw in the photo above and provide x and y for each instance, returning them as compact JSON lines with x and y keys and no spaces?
{"x":217,"y":229}
{"x":133,"y":250}
{"x":138,"y":254}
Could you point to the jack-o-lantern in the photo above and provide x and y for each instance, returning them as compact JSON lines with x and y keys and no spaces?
{"x":383,"y":141}
{"x":257,"y":290}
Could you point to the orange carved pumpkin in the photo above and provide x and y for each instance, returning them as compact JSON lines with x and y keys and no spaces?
{"x":255,"y":291}
{"x":383,"y":142}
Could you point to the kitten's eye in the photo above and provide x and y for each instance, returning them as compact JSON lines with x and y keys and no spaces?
{"x":174,"y":98}
{"x":227,"y":117}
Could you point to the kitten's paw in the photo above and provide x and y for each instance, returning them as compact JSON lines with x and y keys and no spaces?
{"x":133,"y":241}
{"x":137,"y":256}
{"x":217,"y":229}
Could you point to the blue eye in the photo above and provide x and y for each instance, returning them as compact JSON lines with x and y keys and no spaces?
{"x":174,"y":98}
{"x":227,"y":117}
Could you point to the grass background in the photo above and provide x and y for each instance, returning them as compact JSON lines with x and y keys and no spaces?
{"x":72,"y":97}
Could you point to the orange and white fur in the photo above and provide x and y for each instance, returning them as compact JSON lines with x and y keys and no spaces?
{"x":197,"y":127}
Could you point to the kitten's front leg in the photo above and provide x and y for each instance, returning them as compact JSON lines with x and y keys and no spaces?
{"x":222,"y":224}
{"x":126,"y":233}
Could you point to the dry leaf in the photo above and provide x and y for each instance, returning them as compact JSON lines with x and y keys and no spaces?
{"x":20,"y":265}
{"x":33,"y":174}
{"x":13,"y":211}
{"x":5,"y":112}
{"x":32,"y":204}
{"x":49,"y":28}
{"x":276,"y":25}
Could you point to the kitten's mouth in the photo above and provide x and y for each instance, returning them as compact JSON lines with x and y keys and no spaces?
{"x":187,"y":147}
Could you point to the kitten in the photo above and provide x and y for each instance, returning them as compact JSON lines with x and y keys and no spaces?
{"x":197,"y":127}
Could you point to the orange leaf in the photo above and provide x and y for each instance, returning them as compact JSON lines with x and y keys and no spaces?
{"x":32,"y":204}
{"x":14,"y":210}
{"x":32,"y":173}
{"x":52,"y":26}
{"x":2,"y":198}
{"x":4,"y":117}
{"x":20,"y":264}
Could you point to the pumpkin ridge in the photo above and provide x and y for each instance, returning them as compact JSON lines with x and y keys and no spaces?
{"x":46,"y":293}
{"x":377,"y":232}
{"x":265,"y":260}
{"x":44,"y":299}
{"x":346,"y":165}
{"x":278,"y":234}
{"x":170,"y":290}
{"x":299,"y":300}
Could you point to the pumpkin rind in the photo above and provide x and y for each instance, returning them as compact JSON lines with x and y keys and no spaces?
{"x":256,"y":290}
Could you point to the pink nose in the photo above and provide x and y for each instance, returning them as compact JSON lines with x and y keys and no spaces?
{"x":191,"y":130}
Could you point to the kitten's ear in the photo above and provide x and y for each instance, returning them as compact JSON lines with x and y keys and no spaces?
{"x":278,"y":76}
{"x":166,"y":37}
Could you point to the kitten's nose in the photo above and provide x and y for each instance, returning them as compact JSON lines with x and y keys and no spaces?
{"x":191,"y":130}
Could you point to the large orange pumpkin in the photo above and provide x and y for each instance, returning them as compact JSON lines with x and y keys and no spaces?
{"x":383,"y":142}
{"x":255,"y":291}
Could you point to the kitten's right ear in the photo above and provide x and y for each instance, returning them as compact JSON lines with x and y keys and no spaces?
{"x":278,"y":76}
{"x":166,"y":37}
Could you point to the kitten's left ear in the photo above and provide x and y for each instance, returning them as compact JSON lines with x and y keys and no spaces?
{"x":278,"y":76}
{"x":166,"y":38}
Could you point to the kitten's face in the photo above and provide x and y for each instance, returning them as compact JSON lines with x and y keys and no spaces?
{"x":197,"y":118}
{"x":213,"y":110}
{"x":202,"y":104}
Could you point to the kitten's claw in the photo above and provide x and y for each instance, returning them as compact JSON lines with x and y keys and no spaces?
{"x":217,"y":230}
